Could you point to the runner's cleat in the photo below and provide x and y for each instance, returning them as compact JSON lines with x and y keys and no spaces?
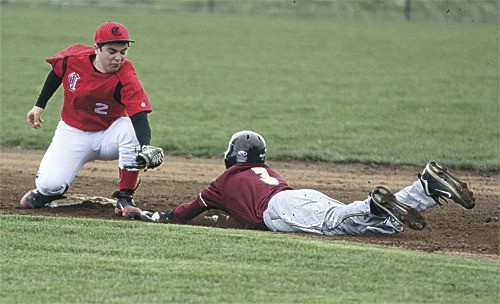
{"x":439,"y":183}
{"x":386,"y":201}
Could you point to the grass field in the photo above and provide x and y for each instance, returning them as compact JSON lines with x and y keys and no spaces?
{"x":420,"y":10}
{"x":90,"y":261}
{"x":317,"y":88}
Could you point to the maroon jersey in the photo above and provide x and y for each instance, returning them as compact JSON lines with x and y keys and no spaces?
{"x":90,"y":97}
{"x":243,"y":191}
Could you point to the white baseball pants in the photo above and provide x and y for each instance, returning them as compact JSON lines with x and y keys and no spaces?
{"x":72,"y":148}
{"x":312,"y":211}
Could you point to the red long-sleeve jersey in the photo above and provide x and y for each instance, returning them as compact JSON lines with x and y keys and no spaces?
{"x":243,"y":192}
{"x":90,"y":96}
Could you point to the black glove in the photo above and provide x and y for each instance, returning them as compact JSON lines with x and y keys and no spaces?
{"x":148,"y":158}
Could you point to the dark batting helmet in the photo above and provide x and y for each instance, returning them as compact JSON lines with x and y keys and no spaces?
{"x":245,"y":147}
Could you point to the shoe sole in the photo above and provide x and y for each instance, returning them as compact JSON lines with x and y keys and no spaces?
{"x":455,"y":185}
{"x":403,"y":214}
{"x":23,"y":202}
{"x":129,"y":212}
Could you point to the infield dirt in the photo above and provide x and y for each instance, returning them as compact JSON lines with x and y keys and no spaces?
{"x":450,"y":228}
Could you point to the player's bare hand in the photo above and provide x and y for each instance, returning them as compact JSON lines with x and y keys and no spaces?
{"x":34,"y":117}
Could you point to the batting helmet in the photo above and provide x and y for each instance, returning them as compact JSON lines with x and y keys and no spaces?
{"x":245,"y":147}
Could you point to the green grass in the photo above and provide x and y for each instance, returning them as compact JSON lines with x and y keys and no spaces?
{"x":61,"y":260}
{"x":317,"y":88}
{"x":444,"y":11}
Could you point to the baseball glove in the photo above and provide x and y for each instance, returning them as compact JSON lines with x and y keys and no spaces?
{"x":148,"y":158}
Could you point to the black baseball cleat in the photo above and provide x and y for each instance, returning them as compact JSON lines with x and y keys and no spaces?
{"x":34,"y":199}
{"x":439,"y":183}
{"x":387,"y":203}
{"x":125,"y":206}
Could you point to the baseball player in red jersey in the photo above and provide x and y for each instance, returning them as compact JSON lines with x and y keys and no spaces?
{"x":258,"y":197}
{"x":104,"y":117}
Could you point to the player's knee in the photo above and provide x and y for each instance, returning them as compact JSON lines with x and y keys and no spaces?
{"x":50,"y":189}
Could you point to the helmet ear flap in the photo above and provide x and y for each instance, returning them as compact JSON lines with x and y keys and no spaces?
{"x":229,"y":155}
{"x":229,"y":161}
{"x":242,"y":156}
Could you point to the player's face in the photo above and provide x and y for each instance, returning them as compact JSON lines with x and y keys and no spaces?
{"x":110,"y":57}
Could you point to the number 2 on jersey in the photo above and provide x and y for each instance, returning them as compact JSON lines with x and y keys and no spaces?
{"x":100,"y":108}
{"x":265,"y":177}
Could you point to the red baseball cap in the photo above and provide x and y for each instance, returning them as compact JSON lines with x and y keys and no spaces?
{"x":111,"y":32}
